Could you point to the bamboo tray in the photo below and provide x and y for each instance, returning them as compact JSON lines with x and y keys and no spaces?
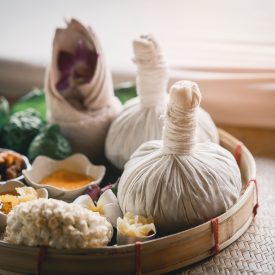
{"x":152,"y":257}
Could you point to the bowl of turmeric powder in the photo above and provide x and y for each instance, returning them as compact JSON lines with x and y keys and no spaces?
{"x":64,"y":179}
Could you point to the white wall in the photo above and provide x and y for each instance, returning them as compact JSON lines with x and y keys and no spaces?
{"x":227,"y":46}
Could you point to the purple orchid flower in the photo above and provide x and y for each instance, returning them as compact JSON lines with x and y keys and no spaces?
{"x":94,"y":192}
{"x":76,"y":68}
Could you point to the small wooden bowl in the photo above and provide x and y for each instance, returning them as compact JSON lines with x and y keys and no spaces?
{"x":152,"y":257}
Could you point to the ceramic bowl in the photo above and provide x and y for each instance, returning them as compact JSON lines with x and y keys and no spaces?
{"x":9,"y":187}
{"x":27,"y":165}
{"x":78,"y":163}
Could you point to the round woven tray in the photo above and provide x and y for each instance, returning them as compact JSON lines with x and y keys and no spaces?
{"x":157,"y":256}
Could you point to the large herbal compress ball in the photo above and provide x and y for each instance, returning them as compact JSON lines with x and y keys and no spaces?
{"x":178,"y":181}
{"x":54,"y":223}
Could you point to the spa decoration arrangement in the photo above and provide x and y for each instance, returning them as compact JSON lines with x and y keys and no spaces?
{"x":71,"y":205}
{"x":140,"y":119}
{"x":179,"y":182}
{"x":79,"y":90}
{"x":57,"y":224}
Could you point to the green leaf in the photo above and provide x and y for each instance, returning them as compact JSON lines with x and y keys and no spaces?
{"x":51,"y":143}
{"x":20,"y":129}
{"x":4,"y":110}
{"x":34,"y":99}
{"x":125,"y":91}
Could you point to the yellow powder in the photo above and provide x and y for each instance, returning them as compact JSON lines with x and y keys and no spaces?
{"x":66,"y":180}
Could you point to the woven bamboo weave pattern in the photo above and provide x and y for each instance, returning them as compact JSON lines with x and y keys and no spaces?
{"x":254,"y":251}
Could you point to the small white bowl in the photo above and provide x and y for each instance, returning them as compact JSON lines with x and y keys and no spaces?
{"x":26,"y":161}
{"x":10,"y":186}
{"x":78,"y":163}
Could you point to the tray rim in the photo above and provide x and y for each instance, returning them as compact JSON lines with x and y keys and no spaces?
{"x":247,"y":161}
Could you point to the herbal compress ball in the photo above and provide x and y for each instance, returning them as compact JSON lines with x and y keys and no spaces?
{"x":79,"y":90}
{"x":180,"y":182}
{"x":54,"y":223}
{"x":141,"y":118}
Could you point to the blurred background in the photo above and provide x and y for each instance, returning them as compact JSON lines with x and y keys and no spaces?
{"x":228,"y":47}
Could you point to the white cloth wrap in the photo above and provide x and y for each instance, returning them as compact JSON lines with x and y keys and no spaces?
{"x":183,"y":122}
{"x":152,"y":77}
{"x":140,"y":119}
{"x":179,"y":190}
{"x":85,"y":126}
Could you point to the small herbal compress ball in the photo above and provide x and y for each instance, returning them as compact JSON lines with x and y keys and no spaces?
{"x":54,"y":223}
{"x":179,"y":182}
{"x":141,"y":118}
